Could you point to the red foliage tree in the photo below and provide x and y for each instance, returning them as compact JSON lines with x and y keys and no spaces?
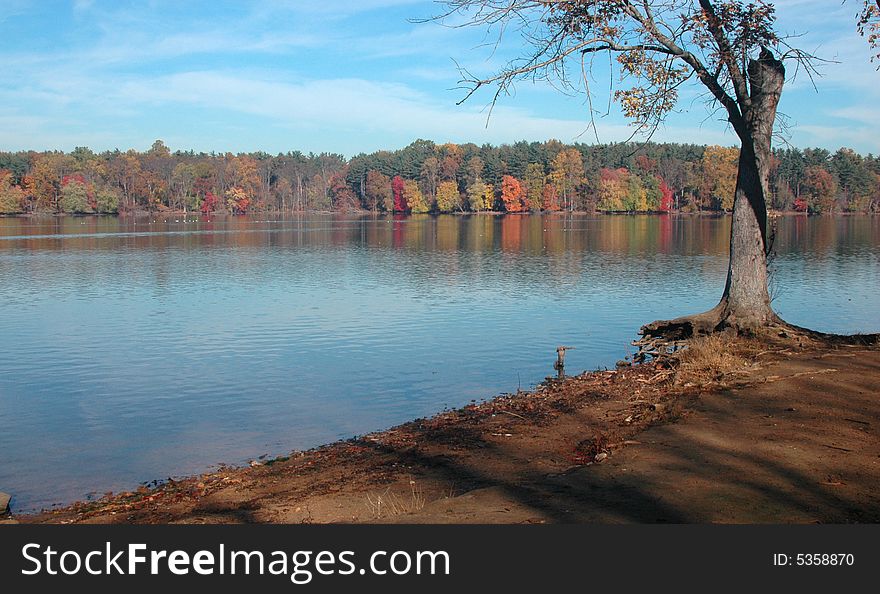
{"x":397,"y":186}
{"x":209,"y":202}
{"x":646,"y":164}
{"x":551,"y":200}
{"x":512,"y":194}
{"x":343,"y":196}
{"x":665,"y":197}
{"x":73,"y":178}
{"x":613,"y":175}
{"x":241,"y":207}
{"x":800,"y":205}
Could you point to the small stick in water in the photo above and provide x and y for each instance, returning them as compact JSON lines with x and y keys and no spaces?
{"x":560,"y":357}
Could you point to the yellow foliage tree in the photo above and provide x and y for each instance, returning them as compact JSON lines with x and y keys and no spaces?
{"x":534,"y":181}
{"x":636,"y":196}
{"x":567,"y":174}
{"x":242,"y":172}
{"x":614,"y":190}
{"x":47,"y":173}
{"x":237,"y":200}
{"x":414,"y":197}
{"x":480,"y":196}
{"x":11,"y":196}
{"x":719,"y":174}
{"x":448,"y":198}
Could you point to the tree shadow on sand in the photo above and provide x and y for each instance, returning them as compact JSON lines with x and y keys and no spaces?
{"x":805,"y":453}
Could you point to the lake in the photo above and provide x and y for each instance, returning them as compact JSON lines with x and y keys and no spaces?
{"x":139,"y":349}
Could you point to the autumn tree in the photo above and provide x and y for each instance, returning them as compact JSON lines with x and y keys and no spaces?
{"x":719,"y":175}
{"x":646,"y":164}
{"x":183,"y":179}
{"x":282,"y":193}
{"x":242,"y":174}
{"x":77,"y":196}
{"x":682,"y":178}
{"x":127,"y":174}
{"x":158,"y":164}
{"x":46,"y":178}
{"x":209,"y":203}
{"x":613,"y":189}
{"x":341,"y":195}
{"x":450,"y":165}
{"x":377,"y":190}
{"x":512,"y":194}
{"x":292,"y":167}
{"x":106,"y":201}
{"x":323,"y":182}
{"x":549,"y":199}
{"x":413,"y":198}
{"x":11,"y":195}
{"x":534,"y":181}
{"x":729,"y":47}
{"x":397,"y":188}
{"x":237,"y":200}
{"x":653,"y":196}
{"x":636,"y":196}
{"x":666,"y":197}
{"x":430,"y":176}
{"x":266,"y":167}
{"x":567,"y":174}
{"x":448,"y":198}
{"x":474,"y":169}
{"x":820,"y":187}
{"x":481,"y":196}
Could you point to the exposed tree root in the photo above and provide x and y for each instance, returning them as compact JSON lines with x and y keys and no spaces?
{"x":664,"y":337}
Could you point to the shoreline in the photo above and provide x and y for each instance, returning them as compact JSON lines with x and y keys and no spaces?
{"x":376,"y":214}
{"x":588,"y":448}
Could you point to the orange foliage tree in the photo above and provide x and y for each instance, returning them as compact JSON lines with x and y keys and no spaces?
{"x":237,"y":200}
{"x":512,"y":194}
{"x":550,"y":199}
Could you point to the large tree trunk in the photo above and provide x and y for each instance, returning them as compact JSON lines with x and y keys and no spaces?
{"x":745,"y":303}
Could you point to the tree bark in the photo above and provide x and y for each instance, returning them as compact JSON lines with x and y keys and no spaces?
{"x":745,"y":303}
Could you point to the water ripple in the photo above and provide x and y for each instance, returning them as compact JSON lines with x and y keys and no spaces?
{"x":136,"y":349}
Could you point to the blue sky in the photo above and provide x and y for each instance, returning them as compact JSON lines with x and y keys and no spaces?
{"x":346,"y":76}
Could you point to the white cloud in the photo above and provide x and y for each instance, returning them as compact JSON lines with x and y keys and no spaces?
{"x":833,"y":137}
{"x":12,"y":9}
{"x":82,"y":5}
{"x":348,"y":103}
{"x":139,"y":64}
{"x":863,"y":114}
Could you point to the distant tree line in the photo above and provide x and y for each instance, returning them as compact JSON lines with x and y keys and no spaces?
{"x":426,"y":177}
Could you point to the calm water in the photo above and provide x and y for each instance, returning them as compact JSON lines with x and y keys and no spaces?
{"x":134,"y":349}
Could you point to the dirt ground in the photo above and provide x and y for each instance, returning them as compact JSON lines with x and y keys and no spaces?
{"x":781,"y":434}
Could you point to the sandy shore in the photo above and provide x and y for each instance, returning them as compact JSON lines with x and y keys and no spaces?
{"x":765,"y":433}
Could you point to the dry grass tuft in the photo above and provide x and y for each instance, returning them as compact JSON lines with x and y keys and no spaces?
{"x":389,"y":503}
{"x":714,"y":358}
